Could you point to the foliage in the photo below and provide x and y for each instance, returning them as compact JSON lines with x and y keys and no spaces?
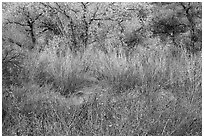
{"x":12,"y":65}
{"x":174,"y":19}
{"x":101,"y":69}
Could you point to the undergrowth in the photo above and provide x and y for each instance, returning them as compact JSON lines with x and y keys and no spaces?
{"x":150,"y":93}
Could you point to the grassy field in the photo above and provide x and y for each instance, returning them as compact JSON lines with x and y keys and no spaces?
{"x":152,"y":92}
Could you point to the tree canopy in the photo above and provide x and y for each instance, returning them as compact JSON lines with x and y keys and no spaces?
{"x":85,"y":23}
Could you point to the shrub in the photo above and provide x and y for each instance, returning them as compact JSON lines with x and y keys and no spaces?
{"x":12,"y":65}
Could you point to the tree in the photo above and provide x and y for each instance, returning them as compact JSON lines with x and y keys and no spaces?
{"x":23,"y":16}
{"x":193,"y":13}
{"x":172,"y":20}
{"x":80,"y":21}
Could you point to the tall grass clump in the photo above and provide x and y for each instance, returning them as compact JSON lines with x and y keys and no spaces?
{"x":33,"y":110}
{"x":180,"y":75}
{"x":12,"y":65}
{"x":115,"y":69}
{"x":158,"y":65}
{"x":154,"y":91}
{"x":65,"y":72}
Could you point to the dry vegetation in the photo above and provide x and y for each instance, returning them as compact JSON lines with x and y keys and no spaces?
{"x":150,"y":93}
{"x":101,"y":69}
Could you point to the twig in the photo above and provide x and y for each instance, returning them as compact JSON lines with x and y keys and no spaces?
{"x":165,"y":126}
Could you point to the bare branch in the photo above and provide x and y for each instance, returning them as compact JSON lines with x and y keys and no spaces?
{"x":182,"y":4}
{"x":12,"y":41}
{"x":15,"y":22}
{"x":62,"y":11}
{"x":37,"y":17}
{"x":94,"y":15}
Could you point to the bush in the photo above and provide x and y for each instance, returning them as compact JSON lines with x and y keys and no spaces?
{"x":12,"y":65}
{"x":151,"y":92}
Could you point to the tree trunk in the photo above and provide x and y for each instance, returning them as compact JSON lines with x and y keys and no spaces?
{"x":32,"y":35}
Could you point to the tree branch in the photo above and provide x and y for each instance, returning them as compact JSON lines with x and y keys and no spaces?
{"x":37,"y":17}
{"x":15,"y":22}
{"x":12,"y":41}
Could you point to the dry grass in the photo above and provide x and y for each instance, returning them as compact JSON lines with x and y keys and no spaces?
{"x":150,"y":93}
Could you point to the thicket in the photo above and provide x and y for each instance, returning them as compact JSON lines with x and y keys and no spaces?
{"x":143,"y":58}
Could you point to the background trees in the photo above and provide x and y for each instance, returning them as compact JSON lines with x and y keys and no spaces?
{"x":84,"y":24}
{"x":106,"y":27}
{"x":181,"y":22}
